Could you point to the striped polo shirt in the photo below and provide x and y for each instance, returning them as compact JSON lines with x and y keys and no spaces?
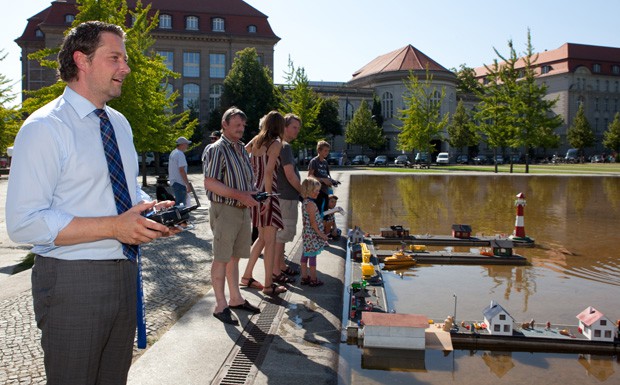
{"x":233,"y":169}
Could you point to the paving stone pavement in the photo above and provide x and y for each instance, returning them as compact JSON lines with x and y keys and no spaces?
{"x":176,"y":273}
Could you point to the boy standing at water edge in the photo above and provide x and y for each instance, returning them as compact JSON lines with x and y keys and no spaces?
{"x":73,"y":194}
{"x":319,"y":169}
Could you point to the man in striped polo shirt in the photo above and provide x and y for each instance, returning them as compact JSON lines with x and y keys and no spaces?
{"x":229,"y":184}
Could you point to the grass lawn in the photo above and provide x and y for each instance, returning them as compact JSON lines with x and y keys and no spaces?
{"x":568,"y":169}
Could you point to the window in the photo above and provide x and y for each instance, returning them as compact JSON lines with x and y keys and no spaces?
{"x":435,"y":98}
{"x":545,"y":69}
{"x":69,"y":19}
{"x":595,"y":104}
{"x":191,"y":95}
{"x":251,"y":28}
{"x":191,"y":23}
{"x":215,"y":96}
{"x":506,"y":328}
{"x":595,"y":124}
{"x":598,"y":85}
{"x":615,"y":69}
{"x":597,"y":333}
{"x":191,"y":64}
{"x":596,"y":68}
{"x":606,"y":109}
{"x":497,"y":328}
{"x":607,"y":333}
{"x":387,"y":105}
{"x":165,"y":21}
{"x":169,"y":90}
{"x":580,"y":101}
{"x":38,"y":33}
{"x":607,"y":85}
{"x":168,"y":59}
{"x":218,"y":24}
{"x":502,"y":317}
{"x":217,"y":66}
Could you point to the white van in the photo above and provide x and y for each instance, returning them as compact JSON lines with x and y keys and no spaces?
{"x":443,"y":158}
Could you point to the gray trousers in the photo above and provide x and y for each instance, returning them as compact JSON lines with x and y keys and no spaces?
{"x":86,"y":311}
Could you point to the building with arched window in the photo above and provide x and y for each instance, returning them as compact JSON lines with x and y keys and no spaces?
{"x":197,"y":39}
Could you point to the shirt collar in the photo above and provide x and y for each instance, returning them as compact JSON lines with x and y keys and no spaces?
{"x":230,"y":143}
{"x":80,"y":104}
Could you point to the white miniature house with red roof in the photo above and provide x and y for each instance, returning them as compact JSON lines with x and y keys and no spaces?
{"x":498,"y":321}
{"x":595,"y":326}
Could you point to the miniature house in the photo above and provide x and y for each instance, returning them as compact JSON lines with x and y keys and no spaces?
{"x":356,"y":235}
{"x":502,"y":247}
{"x":394,"y":331}
{"x":498,"y":321}
{"x":461,"y":231}
{"x":595,"y":326}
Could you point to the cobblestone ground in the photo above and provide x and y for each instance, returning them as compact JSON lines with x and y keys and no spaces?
{"x":176,"y":273}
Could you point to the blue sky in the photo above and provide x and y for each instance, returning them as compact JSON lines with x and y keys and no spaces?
{"x":332,"y":39}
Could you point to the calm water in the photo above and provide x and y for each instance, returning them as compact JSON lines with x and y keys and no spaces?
{"x":575,"y":223}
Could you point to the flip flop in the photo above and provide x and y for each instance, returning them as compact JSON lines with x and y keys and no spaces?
{"x":282,"y":278}
{"x":226,"y":317}
{"x":252,"y":284}
{"x":247,"y":307}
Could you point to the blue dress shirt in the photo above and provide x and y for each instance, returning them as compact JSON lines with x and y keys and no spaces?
{"x":59,"y":171}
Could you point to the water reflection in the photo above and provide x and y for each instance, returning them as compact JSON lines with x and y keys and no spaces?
{"x":574,"y":221}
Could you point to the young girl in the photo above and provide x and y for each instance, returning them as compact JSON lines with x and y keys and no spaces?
{"x":314,"y":236}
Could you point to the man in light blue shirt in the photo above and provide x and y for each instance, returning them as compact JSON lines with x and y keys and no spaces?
{"x":177,"y":171}
{"x":60,"y":198}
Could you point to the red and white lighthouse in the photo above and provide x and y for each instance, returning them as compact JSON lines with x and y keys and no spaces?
{"x":519,"y":234}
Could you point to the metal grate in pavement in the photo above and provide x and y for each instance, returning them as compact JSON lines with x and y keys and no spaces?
{"x":254,"y":344}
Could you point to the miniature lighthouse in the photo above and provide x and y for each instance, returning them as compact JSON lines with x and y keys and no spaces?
{"x":519,"y":234}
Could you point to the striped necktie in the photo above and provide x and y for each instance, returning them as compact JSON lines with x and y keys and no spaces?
{"x":123,"y":203}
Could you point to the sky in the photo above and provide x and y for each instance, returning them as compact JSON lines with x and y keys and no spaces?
{"x":331,"y":39}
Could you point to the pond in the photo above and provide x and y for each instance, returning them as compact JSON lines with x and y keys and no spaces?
{"x":575,"y":264}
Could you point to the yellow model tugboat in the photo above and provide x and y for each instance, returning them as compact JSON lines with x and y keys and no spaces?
{"x":398,"y":260}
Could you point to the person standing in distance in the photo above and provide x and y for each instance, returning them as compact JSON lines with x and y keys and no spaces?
{"x":177,"y":171}
{"x":73,"y":194}
{"x":289,"y":186}
{"x":229,"y":184}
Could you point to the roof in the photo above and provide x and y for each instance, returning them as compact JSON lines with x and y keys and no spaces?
{"x":494,"y":309}
{"x":395,"y":320}
{"x":407,"y":58}
{"x":589,"y":316}
{"x":464,"y":228}
{"x":503,"y":243}
{"x":237,"y":14}
{"x":568,"y":57}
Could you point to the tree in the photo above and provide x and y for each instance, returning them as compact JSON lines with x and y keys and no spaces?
{"x":460,"y":129}
{"x":9,"y":121}
{"x":145,"y":101}
{"x":362,"y":130}
{"x":580,"y":133}
{"x":466,"y":81}
{"x":249,"y":86}
{"x":536,"y":123}
{"x":376,"y":111}
{"x":421,"y":118}
{"x":611,"y":137}
{"x":328,"y":119}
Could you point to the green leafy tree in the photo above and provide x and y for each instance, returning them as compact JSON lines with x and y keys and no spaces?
{"x":460,"y":129}
{"x":145,"y":101}
{"x":328,"y":119}
{"x":536,"y":123}
{"x":362,"y":130}
{"x":9,"y":120}
{"x":249,"y":86}
{"x":580,"y":133}
{"x":466,"y":82}
{"x":300,"y":99}
{"x":421,"y":118}
{"x":376,"y":111}
{"x":611,"y":137}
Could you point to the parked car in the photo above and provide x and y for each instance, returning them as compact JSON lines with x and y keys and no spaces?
{"x":462,"y":159}
{"x":481,"y":159}
{"x":499,"y":159}
{"x":402,"y":160}
{"x":360,"y":160}
{"x":381,"y":160}
{"x":150,"y":159}
{"x":163,"y":159}
{"x":597,"y":159}
{"x":421,"y":157}
{"x":572,"y":156}
{"x":334,"y":158}
{"x":443,"y":158}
